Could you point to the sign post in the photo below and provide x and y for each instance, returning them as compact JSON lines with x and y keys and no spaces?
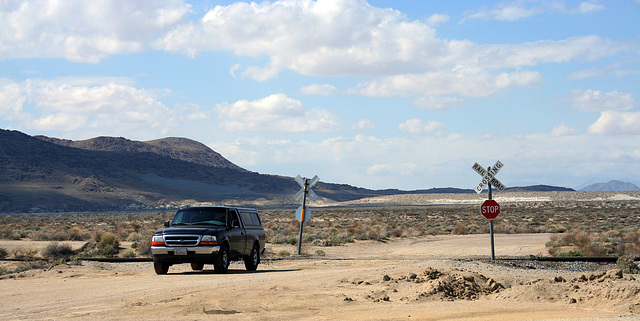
{"x":490,"y":208}
{"x":303,"y":214}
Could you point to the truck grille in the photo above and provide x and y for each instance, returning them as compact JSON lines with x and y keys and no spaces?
{"x":181,"y":240}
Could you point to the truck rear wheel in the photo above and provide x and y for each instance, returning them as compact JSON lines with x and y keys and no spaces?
{"x":251,"y":262}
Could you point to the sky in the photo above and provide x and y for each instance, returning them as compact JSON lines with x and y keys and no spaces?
{"x":381,"y":94}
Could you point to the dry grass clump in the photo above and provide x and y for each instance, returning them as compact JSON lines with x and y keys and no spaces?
{"x":585,"y":243}
{"x":57,"y":250}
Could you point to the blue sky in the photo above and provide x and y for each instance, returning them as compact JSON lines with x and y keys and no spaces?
{"x":381,"y":94}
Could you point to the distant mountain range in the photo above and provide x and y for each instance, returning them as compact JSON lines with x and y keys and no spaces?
{"x":611,"y":186}
{"x":43,"y":174}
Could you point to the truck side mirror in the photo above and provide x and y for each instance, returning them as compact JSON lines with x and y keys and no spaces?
{"x":167,"y":223}
{"x":235,"y":223}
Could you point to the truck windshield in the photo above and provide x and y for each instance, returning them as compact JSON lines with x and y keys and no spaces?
{"x":201,"y":216}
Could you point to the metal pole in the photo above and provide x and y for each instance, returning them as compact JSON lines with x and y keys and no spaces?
{"x":493,"y":253}
{"x":302,"y":216}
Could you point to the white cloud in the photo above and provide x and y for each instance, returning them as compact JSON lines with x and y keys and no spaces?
{"x":84,"y":31}
{"x":91,"y":105}
{"x":321,"y":38}
{"x":461,"y":80}
{"x":547,"y":51}
{"x":418,"y":127}
{"x":404,"y":169}
{"x":437,"y":19}
{"x":522,"y":9}
{"x":12,"y":98}
{"x":320,"y":89}
{"x":616,"y":123}
{"x":438,"y":102}
{"x":614,"y":69}
{"x":562,"y":130}
{"x":364,"y":124}
{"x":595,"y":100}
{"x":275,"y":113}
{"x":590,"y":6}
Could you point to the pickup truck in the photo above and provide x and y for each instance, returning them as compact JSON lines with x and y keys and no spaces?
{"x":209,"y":235}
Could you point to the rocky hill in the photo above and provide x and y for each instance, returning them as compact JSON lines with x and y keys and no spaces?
{"x":43,"y":174}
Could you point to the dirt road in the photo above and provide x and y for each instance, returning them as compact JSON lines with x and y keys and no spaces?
{"x":431,"y":278}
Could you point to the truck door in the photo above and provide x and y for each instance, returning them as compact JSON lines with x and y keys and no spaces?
{"x":236,"y":234}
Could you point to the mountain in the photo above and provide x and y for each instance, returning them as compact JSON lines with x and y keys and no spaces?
{"x":105,"y":173}
{"x":43,"y":174}
{"x":611,"y":186}
{"x":538,"y":188}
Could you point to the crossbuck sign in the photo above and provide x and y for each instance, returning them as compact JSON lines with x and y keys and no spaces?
{"x":488,"y":176}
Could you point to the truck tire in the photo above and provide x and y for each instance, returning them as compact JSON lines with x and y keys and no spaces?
{"x":221,"y":263}
{"x":251,"y":262}
{"x":161,"y":267}
{"x":197,"y":266}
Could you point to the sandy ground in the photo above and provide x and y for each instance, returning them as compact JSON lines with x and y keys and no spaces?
{"x":430,"y":278}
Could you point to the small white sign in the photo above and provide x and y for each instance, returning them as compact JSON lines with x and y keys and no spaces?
{"x":307,"y":214}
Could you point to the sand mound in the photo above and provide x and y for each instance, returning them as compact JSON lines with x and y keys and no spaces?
{"x":610,"y":290}
{"x":432,"y":284}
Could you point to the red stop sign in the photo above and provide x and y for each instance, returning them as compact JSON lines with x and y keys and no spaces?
{"x":490,"y":209}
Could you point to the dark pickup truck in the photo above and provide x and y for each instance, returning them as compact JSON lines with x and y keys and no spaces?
{"x":209,"y":235}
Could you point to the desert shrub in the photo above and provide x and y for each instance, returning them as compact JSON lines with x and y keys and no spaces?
{"x":460,"y":229}
{"x":144,"y":247}
{"x":473,"y":228}
{"x":397,"y":232}
{"x":627,"y":265}
{"x":9,"y":234}
{"x":77,"y":234}
{"x":284,"y":253}
{"x":135,"y":236}
{"x":587,"y":243}
{"x":30,"y":265}
{"x":129,"y":253}
{"x":279,"y":239}
{"x":308,"y":238}
{"x":292,"y":240}
{"x":3,"y":253}
{"x":320,"y":253}
{"x":340,"y":239}
{"x":23,"y":253}
{"x":57,"y":250}
{"x":108,"y":245}
{"x":572,"y":253}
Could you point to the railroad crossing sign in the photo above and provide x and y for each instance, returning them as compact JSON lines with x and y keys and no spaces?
{"x":488,"y":176}
{"x":303,"y":213}
{"x":490,"y":209}
{"x":306,"y":185}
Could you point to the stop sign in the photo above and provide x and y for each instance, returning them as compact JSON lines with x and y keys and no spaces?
{"x":490,"y":209}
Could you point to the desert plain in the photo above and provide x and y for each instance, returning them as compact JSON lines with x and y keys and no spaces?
{"x":427,"y":260}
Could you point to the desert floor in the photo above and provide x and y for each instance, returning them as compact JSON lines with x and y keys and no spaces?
{"x":429,"y":278}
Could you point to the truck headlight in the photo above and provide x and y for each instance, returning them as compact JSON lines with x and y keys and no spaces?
{"x":209,"y":240}
{"x":157,"y":240}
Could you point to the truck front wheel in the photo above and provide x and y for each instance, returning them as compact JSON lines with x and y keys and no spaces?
{"x":161,"y":267}
{"x":221,"y":263}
